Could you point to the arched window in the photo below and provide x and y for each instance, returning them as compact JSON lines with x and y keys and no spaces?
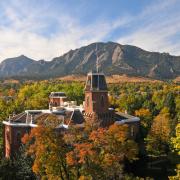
{"x":8,"y":137}
{"x":102,"y":101}
{"x":87,"y":101}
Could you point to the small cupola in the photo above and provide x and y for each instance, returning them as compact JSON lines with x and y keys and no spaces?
{"x":57,"y":99}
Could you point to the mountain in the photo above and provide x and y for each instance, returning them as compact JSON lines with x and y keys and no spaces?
{"x":21,"y":66}
{"x":14,"y":66}
{"x":113,"y":58}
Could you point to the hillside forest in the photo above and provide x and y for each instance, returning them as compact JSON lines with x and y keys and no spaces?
{"x":96,"y":153}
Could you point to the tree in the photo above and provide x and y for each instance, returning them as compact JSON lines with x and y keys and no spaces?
{"x":8,"y":169}
{"x":11,"y":92}
{"x":24,"y":164}
{"x":170,"y":103}
{"x":48,"y":148}
{"x":159,"y":135}
{"x":101,"y":155}
{"x":145,"y":122}
{"x":145,"y":116}
{"x":175,"y":141}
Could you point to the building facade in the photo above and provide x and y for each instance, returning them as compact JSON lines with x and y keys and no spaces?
{"x":96,"y":105}
{"x":96,"y":100}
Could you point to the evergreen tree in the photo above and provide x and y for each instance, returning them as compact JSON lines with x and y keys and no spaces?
{"x":8,"y":169}
{"x":24,"y":164}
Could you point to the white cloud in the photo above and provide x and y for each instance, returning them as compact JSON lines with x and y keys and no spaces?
{"x":158,"y":29}
{"x":22,"y":36}
{"x":25,"y":25}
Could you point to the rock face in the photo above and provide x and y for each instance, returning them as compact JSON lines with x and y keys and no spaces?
{"x":113,"y":58}
{"x":13,"y":66}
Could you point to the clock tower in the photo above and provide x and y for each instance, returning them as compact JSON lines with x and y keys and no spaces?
{"x":96,"y":99}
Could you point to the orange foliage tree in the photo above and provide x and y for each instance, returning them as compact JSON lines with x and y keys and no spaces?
{"x":102,"y":154}
{"x":47,"y":146}
{"x":11,"y":92}
{"x":88,"y":153}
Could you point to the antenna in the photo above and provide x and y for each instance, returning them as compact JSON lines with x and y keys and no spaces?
{"x":97,"y":60}
{"x":97,"y":65}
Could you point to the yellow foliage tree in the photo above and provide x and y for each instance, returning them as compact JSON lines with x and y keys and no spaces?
{"x":176,"y":145}
{"x":159,"y":136}
{"x":145,"y":116}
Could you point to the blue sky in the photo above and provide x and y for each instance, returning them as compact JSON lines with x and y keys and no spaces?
{"x":43,"y":29}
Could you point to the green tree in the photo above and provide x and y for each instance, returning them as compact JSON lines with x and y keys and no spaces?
{"x":24,"y":164}
{"x":8,"y":169}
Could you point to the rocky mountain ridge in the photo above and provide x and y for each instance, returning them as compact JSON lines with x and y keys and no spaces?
{"x":113,"y":59}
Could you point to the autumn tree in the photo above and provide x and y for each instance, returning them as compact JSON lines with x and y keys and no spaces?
{"x":175,"y":141}
{"x":145,"y":124}
{"x":102,"y":154}
{"x":140,"y":99}
{"x":159,"y":135}
{"x":11,"y":92}
{"x":48,"y":148}
{"x":145,"y":116}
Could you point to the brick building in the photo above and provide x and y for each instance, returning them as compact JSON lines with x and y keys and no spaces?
{"x":96,"y":105}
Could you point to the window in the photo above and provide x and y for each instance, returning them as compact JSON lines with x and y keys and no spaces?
{"x":8,"y":136}
{"x":132,"y":131}
{"x":102,"y":83}
{"x":87,"y":101}
{"x":89,"y":82}
{"x":102,"y":101}
{"x":18,"y":137}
